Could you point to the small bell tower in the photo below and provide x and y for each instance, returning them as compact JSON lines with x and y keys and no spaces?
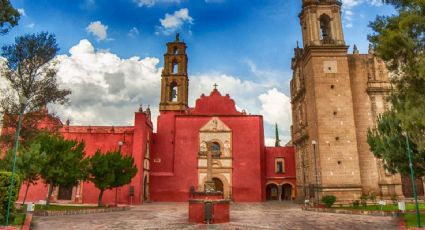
{"x":174,"y":79}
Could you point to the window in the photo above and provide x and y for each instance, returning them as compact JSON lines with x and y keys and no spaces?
{"x":175,"y":69}
{"x":216,"y":149}
{"x":279,"y":165}
{"x":173,"y":91}
{"x":325,"y":27}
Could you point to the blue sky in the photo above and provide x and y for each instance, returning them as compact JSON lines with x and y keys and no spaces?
{"x":244,"y":45}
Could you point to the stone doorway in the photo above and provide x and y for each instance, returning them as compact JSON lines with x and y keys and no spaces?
{"x":272,"y":192}
{"x":286,"y":192}
{"x":218,"y":184}
{"x":408,"y":188}
{"x":64,"y":193}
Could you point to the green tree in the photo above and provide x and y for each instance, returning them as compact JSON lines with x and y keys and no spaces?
{"x":9,"y":16}
{"x":29,"y":163}
{"x":30,"y":72}
{"x":387,"y":142}
{"x":110,"y":170}
{"x":400,"y":41}
{"x":64,"y":165}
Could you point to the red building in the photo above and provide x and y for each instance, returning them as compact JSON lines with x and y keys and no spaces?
{"x":172,"y":162}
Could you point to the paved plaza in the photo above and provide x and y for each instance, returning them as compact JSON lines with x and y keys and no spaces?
{"x":269,"y":215}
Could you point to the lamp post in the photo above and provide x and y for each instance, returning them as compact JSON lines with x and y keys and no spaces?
{"x":412,"y":175}
{"x":120,"y":144}
{"x":22,"y":103}
{"x":315,"y":169}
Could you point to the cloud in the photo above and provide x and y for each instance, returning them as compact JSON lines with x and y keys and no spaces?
{"x":150,"y":3}
{"x":106,"y":89}
{"x":98,"y":30}
{"x":133,"y":32}
{"x":22,"y":12}
{"x":347,"y":9}
{"x":172,"y":22}
{"x":31,"y":25}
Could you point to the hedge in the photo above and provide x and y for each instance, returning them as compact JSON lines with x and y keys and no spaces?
{"x":4,"y":193}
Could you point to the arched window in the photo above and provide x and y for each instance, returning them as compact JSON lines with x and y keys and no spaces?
{"x":175,"y":50}
{"x":175,"y":68}
{"x":325,"y":27}
{"x":173,"y":91}
{"x":215,"y":148}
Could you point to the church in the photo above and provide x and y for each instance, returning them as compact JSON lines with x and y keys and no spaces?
{"x":335,"y":98}
{"x":172,"y":162}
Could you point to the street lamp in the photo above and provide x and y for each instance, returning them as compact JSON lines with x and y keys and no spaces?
{"x":120,"y":144}
{"x":315,"y":169}
{"x":412,"y":175}
{"x":22,"y":104}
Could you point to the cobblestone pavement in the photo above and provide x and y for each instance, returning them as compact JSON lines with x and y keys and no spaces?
{"x":269,"y":215}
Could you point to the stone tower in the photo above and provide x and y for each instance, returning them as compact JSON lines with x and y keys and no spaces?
{"x":174,"y":79}
{"x":334,"y":98}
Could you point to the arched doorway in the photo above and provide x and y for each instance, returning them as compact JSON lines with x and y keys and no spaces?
{"x":218,"y":184}
{"x":272,"y":192}
{"x":286,"y":192}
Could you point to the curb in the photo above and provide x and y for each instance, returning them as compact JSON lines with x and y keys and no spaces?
{"x":81,"y":211}
{"x":27,"y":224}
{"x":353,"y":212}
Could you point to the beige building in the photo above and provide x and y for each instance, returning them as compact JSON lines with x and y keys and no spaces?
{"x":336,"y":97}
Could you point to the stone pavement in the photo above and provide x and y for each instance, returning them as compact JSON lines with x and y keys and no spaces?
{"x":268,"y":215}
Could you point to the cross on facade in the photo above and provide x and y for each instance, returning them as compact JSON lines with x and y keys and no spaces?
{"x":215,"y":85}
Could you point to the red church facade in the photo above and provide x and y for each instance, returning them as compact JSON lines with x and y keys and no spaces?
{"x":172,"y":162}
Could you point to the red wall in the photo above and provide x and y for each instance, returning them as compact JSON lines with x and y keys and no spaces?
{"x":288,"y":154}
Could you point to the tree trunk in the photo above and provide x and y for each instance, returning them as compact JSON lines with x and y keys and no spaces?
{"x":26,"y":191}
{"x":99,"y":200}
{"x":49,"y":195}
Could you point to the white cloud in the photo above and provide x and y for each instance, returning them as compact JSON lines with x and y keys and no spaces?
{"x":150,"y":3}
{"x":133,"y":32}
{"x":106,"y":89}
{"x":31,"y":25}
{"x":98,"y":30}
{"x":172,"y":22}
{"x":347,"y":9}
{"x":22,"y":12}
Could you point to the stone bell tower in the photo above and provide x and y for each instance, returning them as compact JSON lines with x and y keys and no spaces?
{"x":174,"y":79}
{"x":324,"y":131}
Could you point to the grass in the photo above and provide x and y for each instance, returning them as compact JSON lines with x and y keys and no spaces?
{"x":410,"y":219}
{"x":19,"y":219}
{"x":388,"y":207}
{"x":56,"y":207}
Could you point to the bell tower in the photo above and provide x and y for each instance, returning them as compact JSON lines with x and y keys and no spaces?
{"x":174,"y":79}
{"x":321,"y":22}
{"x":324,"y":130}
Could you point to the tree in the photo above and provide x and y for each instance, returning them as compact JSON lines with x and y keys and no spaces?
{"x":110,"y":170}
{"x":64,"y":165}
{"x":30,"y":71}
{"x":9,"y":16}
{"x":29,"y":163}
{"x":387,"y":142}
{"x":399,"y":40}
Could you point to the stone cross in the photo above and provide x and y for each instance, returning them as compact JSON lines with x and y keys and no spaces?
{"x":209,"y":185}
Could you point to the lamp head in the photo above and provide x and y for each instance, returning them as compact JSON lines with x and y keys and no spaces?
{"x":120,"y":143}
{"x":313,"y":142}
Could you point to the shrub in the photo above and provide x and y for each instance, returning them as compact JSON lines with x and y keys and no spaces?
{"x":329,"y":200}
{"x":4,"y":194}
{"x":372,"y":197}
{"x":394,"y":199}
{"x":363,"y":199}
{"x":356,"y":203}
